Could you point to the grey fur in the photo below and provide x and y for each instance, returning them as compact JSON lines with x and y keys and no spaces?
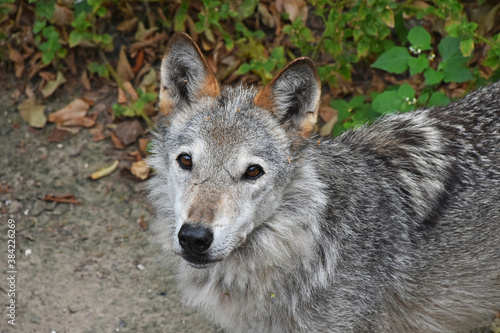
{"x":393,"y":227}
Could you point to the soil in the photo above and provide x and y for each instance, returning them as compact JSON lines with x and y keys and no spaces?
{"x":85,"y":267}
{"x":80,"y":268}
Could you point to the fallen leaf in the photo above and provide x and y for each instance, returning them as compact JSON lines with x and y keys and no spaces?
{"x":153,"y":42}
{"x":58,"y":135}
{"x":48,"y":76}
{"x":32,"y":113}
{"x":326,"y":130}
{"x":123,"y":67}
{"x":76,"y":109}
{"x":142,"y":33}
{"x":63,"y":16}
{"x":68,"y":198}
{"x":294,"y":8}
{"x":116,"y":142}
{"x":105,"y":171}
{"x":139,"y":61}
{"x":140,"y":169}
{"x":122,"y":97}
{"x":51,"y":86}
{"x":98,"y":132}
{"x":18,"y":61}
{"x":143,"y":146}
{"x":143,"y":224}
{"x":327,"y":113}
{"x":128,"y":131}
{"x":87,"y":121}
{"x":128,"y":25}
{"x":84,"y":79}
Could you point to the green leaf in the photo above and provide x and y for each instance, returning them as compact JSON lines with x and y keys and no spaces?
{"x":423,"y":98}
{"x":181,"y":16}
{"x":448,"y":48}
{"x":387,"y":102}
{"x":247,"y":8}
{"x":417,"y":65}
{"x":357,"y":101}
{"x":342,"y":107}
{"x":38,"y":26}
{"x":419,"y":38}
{"x":244,"y":68}
{"x":432,"y":77}
{"x":438,"y":99}
{"x":466,"y":47}
{"x":406,"y":91}
{"x":394,"y":60}
{"x":456,"y":74}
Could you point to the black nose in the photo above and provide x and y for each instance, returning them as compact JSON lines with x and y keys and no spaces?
{"x":195,"y":239}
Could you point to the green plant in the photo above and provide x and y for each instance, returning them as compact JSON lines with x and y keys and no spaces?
{"x":137,"y":107}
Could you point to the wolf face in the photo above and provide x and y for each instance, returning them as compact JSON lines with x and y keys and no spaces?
{"x":222,"y":159}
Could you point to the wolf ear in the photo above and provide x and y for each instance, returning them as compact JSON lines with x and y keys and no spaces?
{"x":185,"y":75}
{"x":293,"y":95}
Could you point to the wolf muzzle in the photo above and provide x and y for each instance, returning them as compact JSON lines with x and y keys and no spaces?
{"x":195,"y":239}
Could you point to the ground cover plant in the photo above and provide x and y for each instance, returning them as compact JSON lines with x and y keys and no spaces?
{"x":374,"y":56}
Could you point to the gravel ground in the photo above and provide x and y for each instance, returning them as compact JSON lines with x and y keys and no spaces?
{"x":80,"y":268}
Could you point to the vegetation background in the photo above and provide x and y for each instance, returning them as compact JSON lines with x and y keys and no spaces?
{"x":373,"y":56}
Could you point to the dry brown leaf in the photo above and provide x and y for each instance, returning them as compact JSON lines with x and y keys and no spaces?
{"x":48,"y":76}
{"x":123,"y":67}
{"x":97,"y":132}
{"x":135,"y":155}
{"x":139,"y":61}
{"x":18,"y":61}
{"x":63,"y":16}
{"x":16,"y":94}
{"x":122,"y":97}
{"x":51,"y":86}
{"x":143,"y":146}
{"x":152,"y":42}
{"x":294,"y":8}
{"x":266,"y":17}
{"x":116,"y":142}
{"x":88,"y":121}
{"x":327,"y":113}
{"x":84,"y":79}
{"x":76,"y":109}
{"x":32,"y":113}
{"x":128,"y":26}
{"x":140,"y":169}
{"x":326,"y":130}
{"x":128,"y":131}
{"x":142,"y":33}
{"x":58,"y":135}
{"x":68,"y":198}
{"x":69,"y":59}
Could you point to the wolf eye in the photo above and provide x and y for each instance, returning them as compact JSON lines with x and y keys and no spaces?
{"x":185,"y":161}
{"x":253,"y":172}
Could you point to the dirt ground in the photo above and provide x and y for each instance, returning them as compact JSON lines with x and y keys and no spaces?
{"x":87,"y":267}
{"x":80,"y":268}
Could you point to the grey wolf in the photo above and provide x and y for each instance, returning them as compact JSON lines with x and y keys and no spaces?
{"x":392,"y":227}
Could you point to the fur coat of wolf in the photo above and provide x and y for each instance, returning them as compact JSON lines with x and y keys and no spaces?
{"x":392,"y":227}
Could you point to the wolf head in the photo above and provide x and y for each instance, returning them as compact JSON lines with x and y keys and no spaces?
{"x":224,"y":156}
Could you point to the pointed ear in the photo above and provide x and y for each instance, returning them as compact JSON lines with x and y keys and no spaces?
{"x":293,"y":95}
{"x":185,"y":75}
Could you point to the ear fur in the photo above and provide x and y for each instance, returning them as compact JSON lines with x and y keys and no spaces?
{"x":293,"y":95}
{"x":185,"y":74}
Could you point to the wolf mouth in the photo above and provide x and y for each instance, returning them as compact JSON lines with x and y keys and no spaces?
{"x":198,"y":262}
